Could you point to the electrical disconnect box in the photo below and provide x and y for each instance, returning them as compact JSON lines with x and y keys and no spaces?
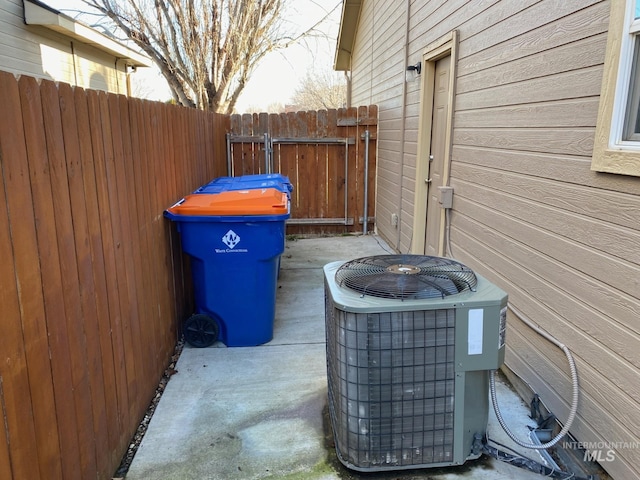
{"x":446,"y":197}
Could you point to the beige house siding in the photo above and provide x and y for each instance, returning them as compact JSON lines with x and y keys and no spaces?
{"x":41,"y":52}
{"x":528,"y":212}
{"x":378,"y":76}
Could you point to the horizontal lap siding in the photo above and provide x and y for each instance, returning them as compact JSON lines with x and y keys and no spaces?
{"x":378,"y":72}
{"x":528,"y":212}
{"x":562,"y":241}
{"x":93,"y":297}
{"x":566,"y":249}
{"x":20,"y":49}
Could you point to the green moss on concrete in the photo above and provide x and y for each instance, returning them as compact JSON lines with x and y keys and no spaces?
{"x":320,"y":471}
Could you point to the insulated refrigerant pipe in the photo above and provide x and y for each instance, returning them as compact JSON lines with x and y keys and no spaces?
{"x":574,"y":398}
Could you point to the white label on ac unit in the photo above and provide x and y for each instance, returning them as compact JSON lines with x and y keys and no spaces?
{"x":474,"y":338}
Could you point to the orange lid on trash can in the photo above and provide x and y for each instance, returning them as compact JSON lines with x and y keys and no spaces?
{"x":265,"y":201}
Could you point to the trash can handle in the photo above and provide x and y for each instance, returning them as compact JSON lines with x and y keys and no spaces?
{"x":179,"y":202}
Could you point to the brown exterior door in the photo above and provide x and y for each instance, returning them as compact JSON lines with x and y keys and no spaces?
{"x":437,"y":154}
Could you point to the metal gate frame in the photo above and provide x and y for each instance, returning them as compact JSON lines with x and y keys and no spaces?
{"x":269,"y":142}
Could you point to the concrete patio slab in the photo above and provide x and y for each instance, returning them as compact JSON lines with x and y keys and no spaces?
{"x":260,"y":412}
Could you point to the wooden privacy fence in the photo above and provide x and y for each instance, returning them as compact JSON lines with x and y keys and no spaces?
{"x":91,"y":290}
{"x":94,"y":286}
{"x":327,"y":156}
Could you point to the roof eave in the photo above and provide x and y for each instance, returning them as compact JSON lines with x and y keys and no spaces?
{"x":346,"y":34}
{"x":37,"y":13}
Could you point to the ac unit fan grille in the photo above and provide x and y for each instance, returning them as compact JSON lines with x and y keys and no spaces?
{"x":406,"y":276}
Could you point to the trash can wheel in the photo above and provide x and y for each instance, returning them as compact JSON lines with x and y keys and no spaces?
{"x":201,"y":330}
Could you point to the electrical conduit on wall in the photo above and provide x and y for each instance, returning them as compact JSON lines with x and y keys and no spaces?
{"x":404,"y":118}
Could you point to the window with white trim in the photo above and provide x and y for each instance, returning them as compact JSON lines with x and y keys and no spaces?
{"x":617,"y":140}
{"x":629,"y":94}
{"x":625,"y":125}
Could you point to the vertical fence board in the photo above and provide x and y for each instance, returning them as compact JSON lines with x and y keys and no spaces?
{"x":335,"y":169}
{"x":179,"y":143}
{"x":191,"y":150}
{"x":300,"y":157}
{"x":195,"y":147}
{"x":201,"y":146}
{"x":175,"y":256}
{"x":184,"y":151}
{"x":10,"y":333}
{"x":45,"y":173}
{"x":156,"y":229}
{"x":308,"y":163}
{"x":144,"y":293}
{"x":133,"y":251}
{"x":92,"y":380}
{"x":221,"y":124}
{"x":208,"y":152}
{"x":25,"y":403}
{"x":138,"y":195}
{"x":152,"y":221}
{"x":322,"y":127}
{"x":290,"y":164}
{"x":165,"y":183}
{"x":121,"y":217}
{"x":91,"y":274}
{"x":137,"y":206}
{"x":34,"y":316}
{"x":236,"y":155}
{"x":5,"y":458}
{"x":103,"y":271}
{"x":120,"y":290}
{"x":158,"y":174}
{"x":74,"y":327}
{"x":101,"y":136}
{"x":206,"y":146}
{"x":169,"y":185}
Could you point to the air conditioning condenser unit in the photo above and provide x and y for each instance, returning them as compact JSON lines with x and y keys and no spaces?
{"x":410,"y":342}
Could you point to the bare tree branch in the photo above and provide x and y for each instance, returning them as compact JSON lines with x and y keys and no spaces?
{"x":320,"y":90}
{"x":206,"y":49}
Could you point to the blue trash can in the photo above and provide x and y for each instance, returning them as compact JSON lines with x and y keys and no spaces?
{"x":248,"y":182}
{"x":234,"y":240}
